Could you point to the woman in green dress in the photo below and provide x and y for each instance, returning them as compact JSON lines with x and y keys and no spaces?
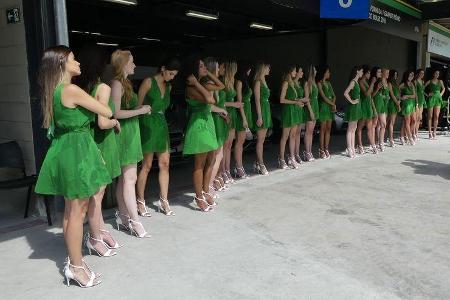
{"x":290,"y":118}
{"x":232,"y":108}
{"x":73,"y":166}
{"x":128,"y":140}
{"x":200,"y":137}
{"x":368,"y":111}
{"x":393,"y":107}
{"x":380,"y":94}
{"x":436,"y":91}
{"x":327,"y":108}
{"x":311,"y":114}
{"x":409,"y":104}
{"x":420,"y":92}
{"x":155,"y":92}
{"x":263,"y":114}
{"x":303,"y":94}
{"x":244,"y":120}
{"x":220,"y":117}
{"x":353,"y":112}
{"x":93,"y":61}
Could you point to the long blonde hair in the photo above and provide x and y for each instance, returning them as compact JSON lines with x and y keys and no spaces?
{"x":311,"y":77}
{"x":288,"y":78}
{"x":230,"y":73}
{"x":119,"y":59}
{"x":259,"y":69}
{"x":51,"y":73}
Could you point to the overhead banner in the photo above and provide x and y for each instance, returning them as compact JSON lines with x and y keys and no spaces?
{"x":344,"y":9}
{"x":438,"y":41}
{"x":396,"y":18}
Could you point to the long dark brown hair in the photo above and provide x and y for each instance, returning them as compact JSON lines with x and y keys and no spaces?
{"x":93,"y":61}
{"x":51,"y":72}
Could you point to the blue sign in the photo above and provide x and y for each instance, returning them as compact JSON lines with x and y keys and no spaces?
{"x":344,"y":9}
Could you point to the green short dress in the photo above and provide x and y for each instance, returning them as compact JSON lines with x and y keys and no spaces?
{"x":301,"y":110}
{"x":129,"y":138}
{"x":247,"y":106}
{"x":366,"y":103}
{"x":314,"y":100}
{"x":290,"y":112}
{"x":435,"y":100}
{"x":154,"y":128}
{"x":266,"y":114}
{"x":107,"y":142}
{"x":408,"y":105}
{"x":325,"y":110}
{"x":200,"y":136}
{"x":392,"y":108}
{"x":74,"y":166}
{"x":420,"y":92}
{"x":380,"y":101}
{"x":353,"y":111}
{"x":220,"y":124}
{"x":232,"y":111}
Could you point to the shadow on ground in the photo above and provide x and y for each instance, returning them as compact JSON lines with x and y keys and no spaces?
{"x":427,"y":167}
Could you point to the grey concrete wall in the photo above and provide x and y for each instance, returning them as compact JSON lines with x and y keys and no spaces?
{"x":354,"y":45}
{"x":15,"y":113}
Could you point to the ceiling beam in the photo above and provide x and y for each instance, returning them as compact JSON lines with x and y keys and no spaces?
{"x":435,"y":10}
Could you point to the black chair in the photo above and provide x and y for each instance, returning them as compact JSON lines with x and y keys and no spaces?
{"x":11,"y":157}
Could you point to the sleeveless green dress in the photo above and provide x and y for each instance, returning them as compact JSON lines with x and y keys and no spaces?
{"x":366,"y":104}
{"x":247,"y":95}
{"x":301,"y":110}
{"x":220,"y":125}
{"x":289,"y":112}
{"x":420,"y":91}
{"x":379,"y":100}
{"x":408,"y":105}
{"x":436,"y":99}
{"x":129,"y":138}
{"x":232,"y":111}
{"x":154,"y":128}
{"x":73,"y":167}
{"x":266,"y":113}
{"x":353,"y":112}
{"x":107,"y":142}
{"x":200,"y":134}
{"x":314,"y":100}
{"x":325,"y":112}
{"x":392,"y":107}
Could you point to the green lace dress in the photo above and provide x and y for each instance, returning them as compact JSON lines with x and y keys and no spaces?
{"x":129,"y":138}
{"x":353,"y":111}
{"x":289,"y":112}
{"x":74,"y":166}
{"x":107,"y":142}
{"x":325,"y":110}
{"x":200,"y":134}
{"x":153,"y":126}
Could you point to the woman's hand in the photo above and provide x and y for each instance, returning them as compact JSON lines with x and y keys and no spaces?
{"x":145,"y":109}
{"x":117,"y":126}
{"x":259,"y":122}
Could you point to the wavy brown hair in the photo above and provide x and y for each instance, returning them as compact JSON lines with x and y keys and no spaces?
{"x":119,"y":59}
{"x":51,"y":73}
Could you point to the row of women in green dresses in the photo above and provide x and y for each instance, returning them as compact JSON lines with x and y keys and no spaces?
{"x":208,"y":131}
{"x":383,"y":103}
{"x":82,"y":157}
{"x":293,"y":115}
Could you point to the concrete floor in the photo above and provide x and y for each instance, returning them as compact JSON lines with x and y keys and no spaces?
{"x":376,"y":227}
